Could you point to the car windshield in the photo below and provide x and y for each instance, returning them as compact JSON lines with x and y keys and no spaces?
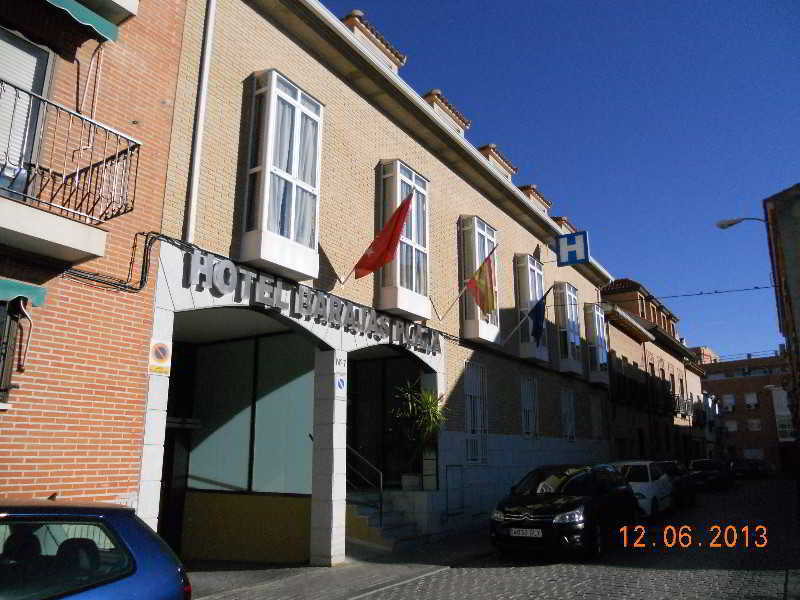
{"x":569,"y":481}
{"x":635,"y":473}
{"x":670,"y":468}
{"x":706,"y":465}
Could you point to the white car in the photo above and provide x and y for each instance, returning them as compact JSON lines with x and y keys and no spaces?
{"x":651,"y":486}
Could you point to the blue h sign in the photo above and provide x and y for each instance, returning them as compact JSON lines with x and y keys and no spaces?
{"x":572,"y":248}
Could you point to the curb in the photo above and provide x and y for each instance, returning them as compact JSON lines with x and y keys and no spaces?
{"x":397,"y":583}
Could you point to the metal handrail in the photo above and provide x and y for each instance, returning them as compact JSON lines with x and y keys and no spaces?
{"x":64,"y":162}
{"x":379,"y":485}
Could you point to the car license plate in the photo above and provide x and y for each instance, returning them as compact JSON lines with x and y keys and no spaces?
{"x":534,"y":533}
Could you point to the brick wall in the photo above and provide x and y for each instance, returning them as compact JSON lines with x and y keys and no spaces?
{"x":75,"y":425}
{"x":767,"y":438}
{"x":356,"y":135}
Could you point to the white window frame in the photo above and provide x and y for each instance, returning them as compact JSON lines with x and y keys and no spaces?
{"x":483,"y":240}
{"x":751,"y":400}
{"x":475,"y":412}
{"x":754,"y":425}
{"x":261,"y":164}
{"x":534,"y":273}
{"x":596,"y":337}
{"x":529,"y":406}
{"x":728,"y":403}
{"x":32,"y":135}
{"x":393,"y":176}
{"x":569,"y":324}
{"x":568,"y":414}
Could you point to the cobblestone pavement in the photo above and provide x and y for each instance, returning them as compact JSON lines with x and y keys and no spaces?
{"x":651,"y":572}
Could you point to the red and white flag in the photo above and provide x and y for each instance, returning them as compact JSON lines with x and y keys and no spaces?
{"x":383,"y":248}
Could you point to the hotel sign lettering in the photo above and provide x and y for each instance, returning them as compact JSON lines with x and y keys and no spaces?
{"x":299,"y":302}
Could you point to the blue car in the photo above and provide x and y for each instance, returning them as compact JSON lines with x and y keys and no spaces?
{"x":82,"y":551}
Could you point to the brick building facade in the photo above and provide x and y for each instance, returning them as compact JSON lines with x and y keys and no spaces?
{"x":85,"y":114}
{"x":754,"y":408}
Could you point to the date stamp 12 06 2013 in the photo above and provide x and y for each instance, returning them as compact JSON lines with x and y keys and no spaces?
{"x":686,"y":536}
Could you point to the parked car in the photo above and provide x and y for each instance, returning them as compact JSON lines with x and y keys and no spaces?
{"x":80,"y":551}
{"x":683,"y":488}
{"x":751,"y":468}
{"x":651,"y":486}
{"x":710,"y":474}
{"x":572,"y":507}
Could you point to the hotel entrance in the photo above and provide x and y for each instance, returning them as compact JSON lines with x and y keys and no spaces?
{"x":376,"y":378}
{"x":237,"y":470}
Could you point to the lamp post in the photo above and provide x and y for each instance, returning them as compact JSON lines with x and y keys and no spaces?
{"x":725,"y":223}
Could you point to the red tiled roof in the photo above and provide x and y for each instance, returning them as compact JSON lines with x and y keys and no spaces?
{"x":358,"y":16}
{"x":492,"y":148}
{"x":622,"y":285}
{"x":436,"y":93}
{"x":535,"y":191}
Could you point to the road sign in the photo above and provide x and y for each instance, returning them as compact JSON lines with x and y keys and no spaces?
{"x":572,"y":248}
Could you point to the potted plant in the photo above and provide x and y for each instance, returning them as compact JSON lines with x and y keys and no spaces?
{"x":421,"y":415}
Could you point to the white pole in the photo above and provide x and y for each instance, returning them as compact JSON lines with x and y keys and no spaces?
{"x":199,"y":122}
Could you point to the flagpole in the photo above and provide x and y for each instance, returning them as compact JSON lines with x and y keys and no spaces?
{"x":449,"y":308}
{"x":353,"y":270}
{"x":513,"y":331}
{"x":526,"y":316}
{"x":463,"y":289}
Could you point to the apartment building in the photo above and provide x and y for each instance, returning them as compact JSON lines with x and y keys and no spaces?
{"x":276,"y":421}
{"x":656,"y":383}
{"x":86,"y":97}
{"x":782,"y":215}
{"x":754,"y":407}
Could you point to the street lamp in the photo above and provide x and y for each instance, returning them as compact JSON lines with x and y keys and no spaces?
{"x":725,"y":223}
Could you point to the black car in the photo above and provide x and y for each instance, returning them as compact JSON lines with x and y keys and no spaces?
{"x":683,"y":487}
{"x":710,"y":474}
{"x":573,"y":507}
{"x":751,"y":468}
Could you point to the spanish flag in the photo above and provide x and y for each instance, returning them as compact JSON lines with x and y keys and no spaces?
{"x":481,"y":285}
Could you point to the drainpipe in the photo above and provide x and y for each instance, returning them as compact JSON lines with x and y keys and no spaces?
{"x":199,"y":123}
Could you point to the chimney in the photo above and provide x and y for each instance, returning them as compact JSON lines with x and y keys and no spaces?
{"x":448,"y":113}
{"x":566,"y":226}
{"x":498,"y":161}
{"x":373,"y":41}
{"x":535,"y":196}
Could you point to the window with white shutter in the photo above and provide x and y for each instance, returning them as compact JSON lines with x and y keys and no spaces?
{"x":751,"y":400}
{"x":25,"y":65}
{"x":529,"y":408}
{"x":476,"y":418}
{"x":568,"y":413}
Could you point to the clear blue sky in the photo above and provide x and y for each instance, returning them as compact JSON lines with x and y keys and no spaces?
{"x":644,"y":123}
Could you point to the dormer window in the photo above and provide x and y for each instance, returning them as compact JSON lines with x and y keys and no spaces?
{"x":282,"y":207}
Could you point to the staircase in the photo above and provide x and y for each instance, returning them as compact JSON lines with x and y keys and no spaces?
{"x":390,"y":531}
{"x":371,"y":520}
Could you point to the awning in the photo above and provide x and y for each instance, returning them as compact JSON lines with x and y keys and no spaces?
{"x":87,"y":17}
{"x":10,"y":289}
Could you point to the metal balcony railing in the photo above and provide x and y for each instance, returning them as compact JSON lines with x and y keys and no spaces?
{"x":61,"y":161}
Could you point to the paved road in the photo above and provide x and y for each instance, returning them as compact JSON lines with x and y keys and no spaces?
{"x":652,"y":573}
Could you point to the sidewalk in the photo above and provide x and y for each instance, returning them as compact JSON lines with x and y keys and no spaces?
{"x":365,"y":571}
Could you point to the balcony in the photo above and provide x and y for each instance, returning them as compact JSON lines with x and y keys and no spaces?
{"x":62,"y":175}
